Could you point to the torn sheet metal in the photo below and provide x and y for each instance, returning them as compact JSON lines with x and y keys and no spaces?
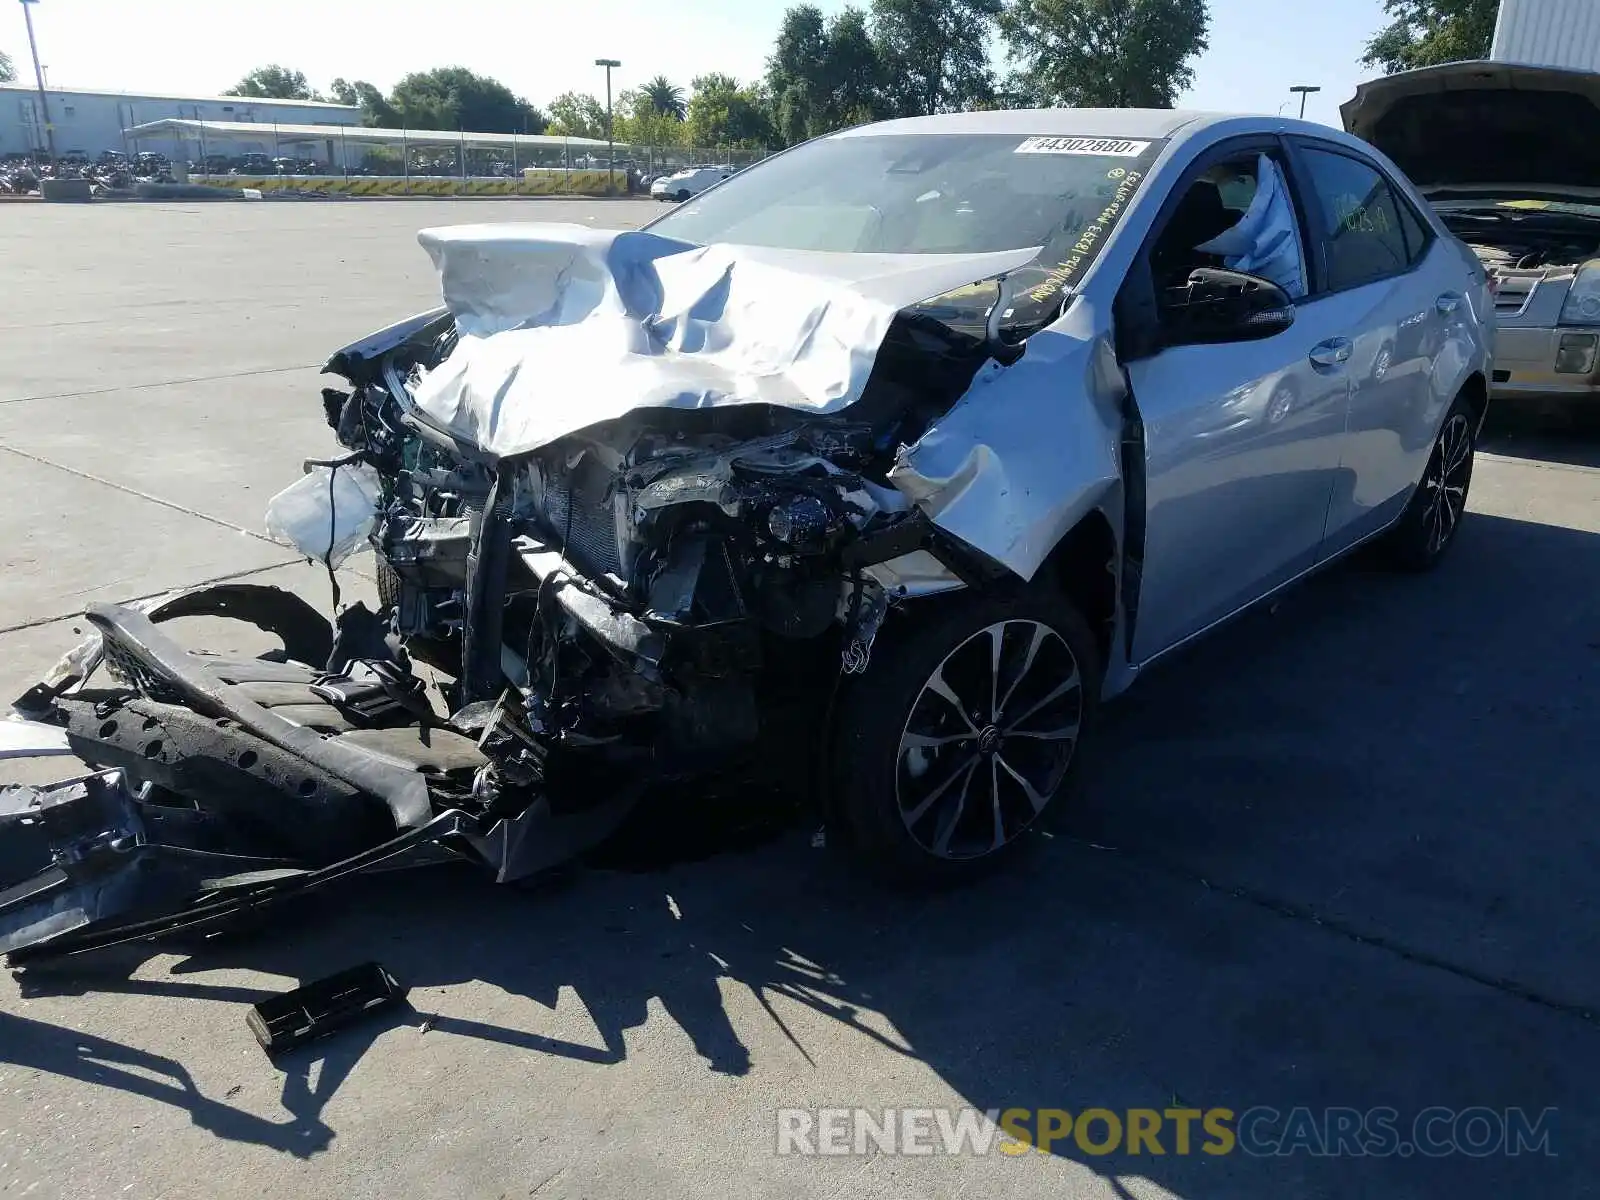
{"x":1266,"y":240}
{"x":564,"y":326}
{"x":78,"y":841}
{"x":328,"y":512}
{"x":29,"y":739}
{"x":1026,"y":453}
{"x":381,"y":340}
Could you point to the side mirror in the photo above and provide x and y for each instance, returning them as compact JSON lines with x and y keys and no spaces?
{"x":1224,"y":306}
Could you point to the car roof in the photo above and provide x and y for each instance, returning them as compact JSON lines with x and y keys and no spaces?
{"x":1151,"y":123}
{"x":1178,"y":125}
{"x":1047,"y":122}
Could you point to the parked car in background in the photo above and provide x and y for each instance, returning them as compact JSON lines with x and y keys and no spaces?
{"x":253,"y":163}
{"x":1509,"y":156}
{"x":682,"y":185}
{"x":868,"y":475}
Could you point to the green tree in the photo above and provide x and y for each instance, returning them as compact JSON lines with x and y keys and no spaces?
{"x":722,"y":113}
{"x":456,"y":98}
{"x":796,"y":71}
{"x":8,"y":72}
{"x":1017,"y":90}
{"x":376,"y":111}
{"x":1105,"y":53}
{"x":667,"y":98}
{"x":823,"y":75}
{"x":935,"y":53}
{"x":274,"y":82}
{"x":641,"y":123}
{"x":853,"y":77}
{"x":577,"y":114}
{"x":1425,"y":33}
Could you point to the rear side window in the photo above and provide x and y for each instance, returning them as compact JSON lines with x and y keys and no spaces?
{"x":1363,"y":230}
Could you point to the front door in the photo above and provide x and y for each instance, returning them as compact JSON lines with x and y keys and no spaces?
{"x":1242,"y":447}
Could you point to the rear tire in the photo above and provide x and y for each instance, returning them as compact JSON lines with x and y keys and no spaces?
{"x":1428,"y":527}
{"x":963,"y":732}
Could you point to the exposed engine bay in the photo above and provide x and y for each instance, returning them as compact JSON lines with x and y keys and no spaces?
{"x":1530,"y":249}
{"x":633,"y":581}
{"x":656,"y":595}
{"x":1524,"y":250}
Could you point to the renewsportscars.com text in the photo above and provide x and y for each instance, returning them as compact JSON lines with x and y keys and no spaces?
{"x":1261,"y":1131}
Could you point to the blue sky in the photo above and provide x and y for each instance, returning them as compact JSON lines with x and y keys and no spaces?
{"x":543,"y":47}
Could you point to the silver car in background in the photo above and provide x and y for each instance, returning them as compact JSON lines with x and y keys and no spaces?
{"x":1509,"y":156}
{"x":871,"y":472}
{"x":691,"y":181}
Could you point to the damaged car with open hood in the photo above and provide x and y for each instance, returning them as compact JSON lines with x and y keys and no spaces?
{"x":1509,"y":156}
{"x":869,"y":472}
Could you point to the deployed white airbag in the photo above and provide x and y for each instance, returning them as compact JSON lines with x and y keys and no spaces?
{"x":328,"y":512}
{"x":563,"y":326}
{"x":1265,"y":241}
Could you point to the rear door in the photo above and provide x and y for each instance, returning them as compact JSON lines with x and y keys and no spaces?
{"x":1388,"y":280}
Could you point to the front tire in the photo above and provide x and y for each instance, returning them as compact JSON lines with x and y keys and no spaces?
{"x":1428,"y":527}
{"x":963,"y":732}
{"x":388,"y":586}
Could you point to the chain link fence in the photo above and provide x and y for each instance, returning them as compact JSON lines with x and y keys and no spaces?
{"x":113,"y":137}
{"x":431,"y":156}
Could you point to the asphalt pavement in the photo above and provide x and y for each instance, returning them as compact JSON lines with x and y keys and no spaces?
{"x":1344,"y":855}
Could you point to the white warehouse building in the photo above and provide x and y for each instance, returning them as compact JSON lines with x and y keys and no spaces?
{"x":89,"y":123}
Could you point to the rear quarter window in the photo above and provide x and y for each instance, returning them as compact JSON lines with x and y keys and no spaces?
{"x":1419,"y":236}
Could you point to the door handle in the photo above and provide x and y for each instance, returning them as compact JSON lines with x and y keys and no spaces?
{"x":1334,"y":352}
{"x":1447,"y":304}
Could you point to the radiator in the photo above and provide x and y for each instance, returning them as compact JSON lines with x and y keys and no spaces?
{"x":582,"y":497}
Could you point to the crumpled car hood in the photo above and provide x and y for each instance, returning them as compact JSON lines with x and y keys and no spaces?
{"x":563,"y":326}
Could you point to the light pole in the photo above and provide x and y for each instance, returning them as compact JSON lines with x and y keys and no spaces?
{"x":611,"y":143}
{"x":38,"y":75}
{"x":1305,"y":89}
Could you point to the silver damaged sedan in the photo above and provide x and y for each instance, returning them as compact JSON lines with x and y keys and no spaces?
{"x":869,"y":473}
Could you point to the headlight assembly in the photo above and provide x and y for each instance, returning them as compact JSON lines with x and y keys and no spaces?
{"x":1583,"y":301}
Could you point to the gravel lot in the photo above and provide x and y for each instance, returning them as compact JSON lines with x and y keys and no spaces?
{"x":1345,"y":854}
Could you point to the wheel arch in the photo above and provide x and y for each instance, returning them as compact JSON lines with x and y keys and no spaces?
{"x":1085,"y":567}
{"x":1476,"y":390}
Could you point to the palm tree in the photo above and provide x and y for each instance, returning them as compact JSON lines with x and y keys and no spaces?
{"x":666,"y":98}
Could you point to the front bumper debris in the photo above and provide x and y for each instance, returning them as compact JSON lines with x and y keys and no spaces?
{"x":317,"y":1009}
{"x":98,"y":883}
{"x":223,"y":787}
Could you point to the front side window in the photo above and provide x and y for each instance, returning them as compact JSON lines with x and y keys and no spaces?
{"x":1362,"y":229}
{"x":1239,"y":215}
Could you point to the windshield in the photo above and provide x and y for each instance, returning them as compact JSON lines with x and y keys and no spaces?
{"x":922,"y":194}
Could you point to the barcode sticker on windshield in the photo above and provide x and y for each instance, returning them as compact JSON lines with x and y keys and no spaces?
{"x":1116,"y":147}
